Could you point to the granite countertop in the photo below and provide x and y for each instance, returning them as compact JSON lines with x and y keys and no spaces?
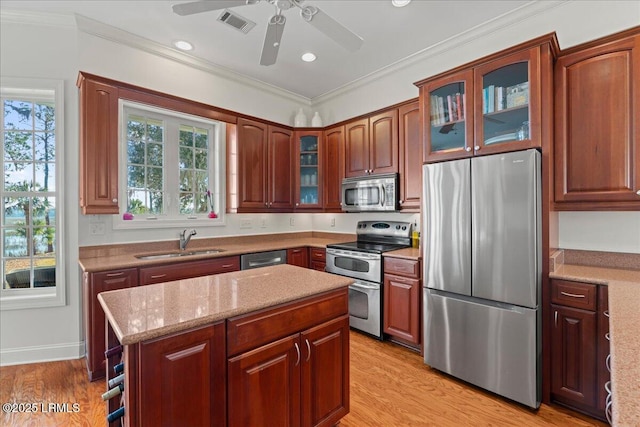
{"x":624,"y":326}
{"x":102,"y":258}
{"x":146,"y":312}
{"x":408,"y":253}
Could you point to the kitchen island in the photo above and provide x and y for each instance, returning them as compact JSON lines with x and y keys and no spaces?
{"x":267,"y":346}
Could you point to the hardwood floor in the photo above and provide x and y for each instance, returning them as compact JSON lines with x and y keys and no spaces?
{"x":390,"y":386}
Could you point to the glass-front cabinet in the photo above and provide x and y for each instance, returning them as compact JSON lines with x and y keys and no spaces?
{"x":308,"y":170}
{"x":506,"y":99}
{"x":448,"y":117}
{"x":491,"y":107}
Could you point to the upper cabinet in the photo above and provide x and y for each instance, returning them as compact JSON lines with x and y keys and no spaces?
{"x":98,"y":147}
{"x":597,"y":131}
{"x":308,"y":164}
{"x":410,"y":154}
{"x":371,"y":145}
{"x":333,"y":167}
{"x":265,"y":157}
{"x":492,"y":105}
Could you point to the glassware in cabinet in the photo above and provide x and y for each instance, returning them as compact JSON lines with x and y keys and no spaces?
{"x":309,"y":182}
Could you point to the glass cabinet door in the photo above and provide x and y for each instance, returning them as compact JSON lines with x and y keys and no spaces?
{"x":309,"y":172}
{"x":448,"y":117}
{"x":506,"y":103}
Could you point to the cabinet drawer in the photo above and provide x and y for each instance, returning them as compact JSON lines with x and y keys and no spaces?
{"x":403,"y":267}
{"x":185,"y":270}
{"x":316,"y":254}
{"x":253,"y":330}
{"x":574,"y":294}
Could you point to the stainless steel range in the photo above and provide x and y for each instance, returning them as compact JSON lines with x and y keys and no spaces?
{"x":362,"y":261}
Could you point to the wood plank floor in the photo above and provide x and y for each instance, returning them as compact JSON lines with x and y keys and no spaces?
{"x":390,"y":386}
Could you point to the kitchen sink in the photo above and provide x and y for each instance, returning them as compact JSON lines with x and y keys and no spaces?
{"x":179,"y":254}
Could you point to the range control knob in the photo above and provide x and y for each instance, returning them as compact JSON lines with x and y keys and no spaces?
{"x":397,"y":227}
{"x":404,"y":227}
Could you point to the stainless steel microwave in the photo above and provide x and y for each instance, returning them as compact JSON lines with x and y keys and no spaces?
{"x":372,"y":193}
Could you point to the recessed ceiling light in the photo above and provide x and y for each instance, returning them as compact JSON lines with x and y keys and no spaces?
{"x":183,"y":45}
{"x":308,"y":57}
{"x":400,"y":3}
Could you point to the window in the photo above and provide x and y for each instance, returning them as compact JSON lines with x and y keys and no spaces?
{"x":32,"y":139}
{"x":172,"y":168}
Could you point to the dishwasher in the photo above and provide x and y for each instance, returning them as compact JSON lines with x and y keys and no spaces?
{"x":262,"y":259}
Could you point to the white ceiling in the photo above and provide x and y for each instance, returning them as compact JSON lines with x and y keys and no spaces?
{"x":390,"y":34}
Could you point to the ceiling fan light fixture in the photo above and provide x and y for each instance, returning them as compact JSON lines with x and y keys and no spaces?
{"x":308,"y":57}
{"x":400,"y":3}
{"x":183,"y":45}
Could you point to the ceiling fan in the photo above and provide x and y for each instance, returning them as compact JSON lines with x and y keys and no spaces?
{"x":311,"y":14}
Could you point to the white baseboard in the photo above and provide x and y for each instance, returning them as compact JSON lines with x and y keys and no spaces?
{"x":37,"y":354}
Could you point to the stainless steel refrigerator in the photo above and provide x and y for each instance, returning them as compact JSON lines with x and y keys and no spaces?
{"x":482,"y":271}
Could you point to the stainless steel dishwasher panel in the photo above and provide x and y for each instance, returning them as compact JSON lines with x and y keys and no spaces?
{"x":263,"y":259}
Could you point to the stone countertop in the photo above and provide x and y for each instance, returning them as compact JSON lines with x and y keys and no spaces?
{"x":408,"y":253}
{"x":115,"y":257}
{"x":624,"y":328}
{"x":146,"y":312}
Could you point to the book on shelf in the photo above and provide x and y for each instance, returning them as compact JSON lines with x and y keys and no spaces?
{"x":459,"y":106}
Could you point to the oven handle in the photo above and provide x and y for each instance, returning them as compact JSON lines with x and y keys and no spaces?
{"x":358,"y":285}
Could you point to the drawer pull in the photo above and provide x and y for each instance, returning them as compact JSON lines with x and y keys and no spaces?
{"x":158,"y":276}
{"x":227,"y":265}
{"x":606,"y":313}
{"x":607,"y":336}
{"x":567,"y":294}
{"x":115,"y":274}
{"x":607,"y":362}
{"x":556,"y":318}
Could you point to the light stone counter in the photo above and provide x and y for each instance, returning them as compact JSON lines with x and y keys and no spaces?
{"x":624,"y":328}
{"x":146,"y":312}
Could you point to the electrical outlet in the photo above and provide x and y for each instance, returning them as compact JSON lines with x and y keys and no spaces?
{"x":245,"y":223}
{"x":333,"y":222}
{"x":97,"y":228}
{"x":292,"y":221}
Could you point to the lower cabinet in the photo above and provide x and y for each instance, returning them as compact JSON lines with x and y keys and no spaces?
{"x":188,"y":269}
{"x":94,"y":319}
{"x":578,"y":354}
{"x":317,"y":259}
{"x":298,"y":256}
{"x":402,"y":301}
{"x":301,"y":379}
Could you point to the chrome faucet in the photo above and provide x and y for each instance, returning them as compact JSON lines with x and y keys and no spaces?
{"x":184,"y":238}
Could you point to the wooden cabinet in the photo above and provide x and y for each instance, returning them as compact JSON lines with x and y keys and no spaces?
{"x":93,"y":315}
{"x":98,"y":147}
{"x":597,"y":132}
{"x":265,"y":171}
{"x":371,"y":145}
{"x":402,"y":317}
{"x":317,"y":259}
{"x":298,"y":375}
{"x":298,"y":256}
{"x":187,"y":269}
{"x":578,"y":354}
{"x":182,"y":379}
{"x":333,"y":168}
{"x":308,"y":165}
{"x":410,"y":156}
{"x":602,"y":362}
{"x":490,"y":106}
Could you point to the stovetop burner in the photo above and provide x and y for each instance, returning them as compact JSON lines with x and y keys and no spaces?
{"x":378,"y":237}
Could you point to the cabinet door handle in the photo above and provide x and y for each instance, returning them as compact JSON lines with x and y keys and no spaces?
{"x":567,"y":294}
{"x":120,"y":273}
{"x":607,"y":362}
{"x":477,"y":148}
{"x":556,"y":318}
{"x":607,"y":336}
{"x":606,"y":313}
{"x":158,"y":276}
{"x":114,"y":200}
{"x":638,"y":192}
{"x":308,"y":350}
{"x":298,"y":352}
{"x":467,"y":149}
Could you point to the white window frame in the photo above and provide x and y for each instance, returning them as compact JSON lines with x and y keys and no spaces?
{"x":217,"y":164}
{"x":38,"y":90}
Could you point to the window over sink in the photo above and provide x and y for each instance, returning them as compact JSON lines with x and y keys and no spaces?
{"x":172,"y":168}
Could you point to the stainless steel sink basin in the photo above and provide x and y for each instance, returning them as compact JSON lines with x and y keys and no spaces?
{"x":179,"y":254}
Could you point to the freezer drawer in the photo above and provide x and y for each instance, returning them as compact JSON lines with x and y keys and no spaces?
{"x":492,"y":346}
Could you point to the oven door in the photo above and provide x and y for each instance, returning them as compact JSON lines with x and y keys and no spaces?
{"x":365,"y":307}
{"x":359,"y":265}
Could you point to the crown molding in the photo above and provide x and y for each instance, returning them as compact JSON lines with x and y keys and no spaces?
{"x":107,"y":32}
{"x":37,"y":18}
{"x":508,"y":19}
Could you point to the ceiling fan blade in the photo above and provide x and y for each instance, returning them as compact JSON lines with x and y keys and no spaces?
{"x":272,"y":38}
{"x":332,"y":28}
{"x":193,"y":7}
